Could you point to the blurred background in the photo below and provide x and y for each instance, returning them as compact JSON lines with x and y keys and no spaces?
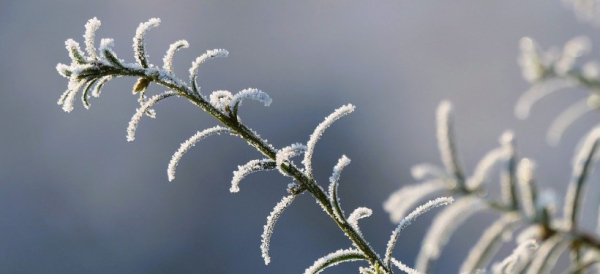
{"x":76,"y":197}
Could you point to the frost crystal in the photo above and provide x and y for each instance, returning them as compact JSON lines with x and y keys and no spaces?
{"x":318,"y":132}
{"x":248,"y":168}
{"x":185,"y":146}
{"x":268,"y":228}
{"x":139,"y":43}
{"x":404,"y":267}
{"x":408,"y":220}
{"x":201,"y":59}
{"x":357,"y":214}
{"x":220,"y":98}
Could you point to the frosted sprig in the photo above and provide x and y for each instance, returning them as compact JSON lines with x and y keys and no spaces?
{"x":140,"y":112}
{"x":168,"y":59}
{"x":569,"y":116}
{"x":139,"y":46}
{"x":408,"y":220}
{"x":484,"y":168}
{"x":249,"y":168}
{"x":357,"y":214}
{"x":333,"y":186}
{"x":268,"y":228}
{"x":210,"y":54}
{"x":427,"y":171}
{"x":90,"y":32}
{"x":404,"y":267}
{"x":442,"y":227}
{"x":220,"y":99}
{"x":537,"y":92}
{"x":331,"y":259}
{"x":447,"y":143}
{"x":285,"y":154}
{"x":508,"y":176}
{"x":318,"y":132}
{"x":581,"y":169}
{"x":489,"y":243}
{"x":249,"y":93}
{"x":189,"y":143}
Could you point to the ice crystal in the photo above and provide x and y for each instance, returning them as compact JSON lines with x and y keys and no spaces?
{"x":139,"y":41}
{"x":168,"y":59}
{"x":248,"y":168}
{"x":140,"y":112}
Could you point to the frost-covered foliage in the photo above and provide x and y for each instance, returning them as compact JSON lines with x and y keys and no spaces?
{"x":527,"y":214}
{"x":90,"y":70}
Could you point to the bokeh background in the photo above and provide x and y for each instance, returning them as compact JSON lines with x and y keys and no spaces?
{"x":76,"y":197}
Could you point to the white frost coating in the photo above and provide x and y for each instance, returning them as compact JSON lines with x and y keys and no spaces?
{"x":445,"y":137}
{"x":72,"y":89}
{"x":98,"y":86}
{"x":536,"y":93}
{"x":404,"y":267}
{"x":443,"y":226}
{"x":189,"y":143}
{"x":484,"y":167}
{"x":357,"y":214}
{"x":135,"y":119}
{"x":318,"y":132}
{"x":581,"y":169}
{"x":526,"y":186}
{"x":365,"y":270}
{"x":139,"y":43}
{"x":404,"y":199}
{"x":75,"y":51}
{"x":334,"y":182}
{"x":517,"y":260}
{"x":202,"y":58}
{"x":335,"y":258}
{"x":488,"y":244}
{"x":220,"y":98}
{"x":408,"y":220}
{"x":250,"y":93}
{"x":168,"y":59}
{"x":248,"y":168}
{"x":427,"y":171}
{"x":268,"y":228}
{"x":62,"y":70}
{"x":90,"y":32}
{"x":567,"y":118}
{"x":547,"y":255}
{"x":286,"y":153}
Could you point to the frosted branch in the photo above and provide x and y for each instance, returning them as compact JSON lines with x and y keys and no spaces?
{"x":90,"y":32}
{"x":249,"y":93}
{"x":527,"y":186}
{"x":133,"y":123}
{"x":404,"y":267}
{"x":331,"y":259}
{"x":408,"y":220}
{"x":185,"y":146}
{"x":443,"y":226}
{"x":333,"y":186}
{"x":168,"y":59}
{"x":139,"y":42}
{"x":357,"y":214}
{"x":215,"y":53}
{"x":484,"y":168}
{"x":517,"y":260}
{"x":249,"y":168}
{"x":428,"y":171}
{"x":268,"y":228}
{"x":537,"y":92}
{"x":285,"y":154}
{"x":547,"y":255}
{"x":318,"y":132}
{"x":567,"y":118}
